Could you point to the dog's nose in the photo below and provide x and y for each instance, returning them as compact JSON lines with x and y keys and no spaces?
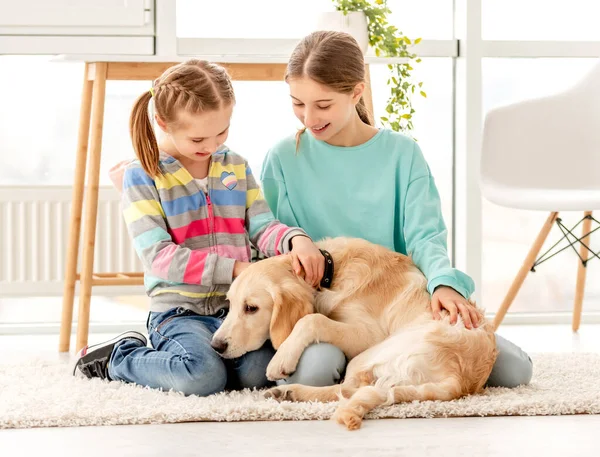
{"x":219,"y":345}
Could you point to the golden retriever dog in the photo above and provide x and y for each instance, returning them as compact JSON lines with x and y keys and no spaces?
{"x":377,"y":311}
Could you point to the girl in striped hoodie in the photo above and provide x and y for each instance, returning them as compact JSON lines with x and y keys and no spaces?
{"x":193,"y":209}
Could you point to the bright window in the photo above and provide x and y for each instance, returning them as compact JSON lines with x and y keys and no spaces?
{"x":554,"y":20}
{"x":507,"y":233}
{"x":431,"y":19}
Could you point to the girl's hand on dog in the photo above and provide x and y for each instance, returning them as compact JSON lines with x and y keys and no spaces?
{"x":307,"y":259}
{"x":447,"y":298}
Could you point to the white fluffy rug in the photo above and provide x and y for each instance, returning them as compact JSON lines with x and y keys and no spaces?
{"x":43,"y":394}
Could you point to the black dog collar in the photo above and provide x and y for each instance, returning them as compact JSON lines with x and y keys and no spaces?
{"x":328,"y":274}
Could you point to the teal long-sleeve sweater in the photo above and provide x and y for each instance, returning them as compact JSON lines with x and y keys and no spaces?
{"x":382,"y":191}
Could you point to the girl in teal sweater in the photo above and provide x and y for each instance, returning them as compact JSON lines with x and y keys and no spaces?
{"x":341,"y":176}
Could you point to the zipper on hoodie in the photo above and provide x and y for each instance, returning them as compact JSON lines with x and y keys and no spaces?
{"x":211,"y":230}
{"x":211,"y":221}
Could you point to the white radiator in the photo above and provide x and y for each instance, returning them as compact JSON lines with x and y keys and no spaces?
{"x":34,"y":230}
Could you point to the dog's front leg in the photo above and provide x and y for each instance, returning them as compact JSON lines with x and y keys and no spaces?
{"x":286,"y":359}
{"x":316,"y":328}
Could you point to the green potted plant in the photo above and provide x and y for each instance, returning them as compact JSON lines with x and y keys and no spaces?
{"x":388,"y":41}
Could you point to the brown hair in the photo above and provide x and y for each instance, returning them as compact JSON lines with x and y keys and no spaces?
{"x":333,"y":59}
{"x":194,"y":86}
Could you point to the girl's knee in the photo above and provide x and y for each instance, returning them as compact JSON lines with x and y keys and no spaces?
{"x":513,"y":366}
{"x":511,"y":373}
{"x":526,"y":372}
{"x":523,"y":370}
{"x":252,"y":368}
{"x":200,"y":376}
{"x":321,"y":364}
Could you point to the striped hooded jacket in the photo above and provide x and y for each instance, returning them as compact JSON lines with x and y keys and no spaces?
{"x":188,"y":241}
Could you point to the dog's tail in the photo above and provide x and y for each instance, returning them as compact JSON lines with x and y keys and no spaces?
{"x":366,"y":398}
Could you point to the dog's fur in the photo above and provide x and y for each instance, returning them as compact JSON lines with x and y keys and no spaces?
{"x":377,"y":311}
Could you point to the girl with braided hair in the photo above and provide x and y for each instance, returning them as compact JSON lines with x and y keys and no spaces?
{"x":192,"y":208}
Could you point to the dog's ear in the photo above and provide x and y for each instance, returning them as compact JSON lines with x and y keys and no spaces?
{"x":291,"y":303}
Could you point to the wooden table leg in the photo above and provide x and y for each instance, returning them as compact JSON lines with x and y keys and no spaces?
{"x":75,"y":219}
{"x":91,"y":204}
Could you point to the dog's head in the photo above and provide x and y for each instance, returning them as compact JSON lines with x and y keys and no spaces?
{"x":265,"y":301}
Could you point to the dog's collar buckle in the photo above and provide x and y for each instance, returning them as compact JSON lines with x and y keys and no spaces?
{"x":328,"y":274}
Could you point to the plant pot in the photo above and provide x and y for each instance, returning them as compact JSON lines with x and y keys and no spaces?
{"x":354,"y":23}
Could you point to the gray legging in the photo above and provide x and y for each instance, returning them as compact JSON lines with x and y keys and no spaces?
{"x":323,"y":365}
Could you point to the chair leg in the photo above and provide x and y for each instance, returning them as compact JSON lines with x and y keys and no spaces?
{"x":91,"y":205}
{"x":581,"y":272}
{"x":525,"y":268}
{"x":75,"y":219}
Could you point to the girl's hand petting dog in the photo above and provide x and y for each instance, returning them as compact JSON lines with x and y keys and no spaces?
{"x":307,"y":260}
{"x":445,"y":297}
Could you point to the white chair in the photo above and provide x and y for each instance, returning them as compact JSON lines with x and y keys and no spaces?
{"x":544,"y":154}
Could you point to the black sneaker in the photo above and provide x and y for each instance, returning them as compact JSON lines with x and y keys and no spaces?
{"x":92,"y":361}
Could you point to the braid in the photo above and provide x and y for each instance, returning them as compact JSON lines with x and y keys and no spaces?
{"x":174,"y":86}
{"x":194,"y":86}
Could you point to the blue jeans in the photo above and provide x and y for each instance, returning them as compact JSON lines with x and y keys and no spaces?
{"x":324,"y":364}
{"x":182,"y":359}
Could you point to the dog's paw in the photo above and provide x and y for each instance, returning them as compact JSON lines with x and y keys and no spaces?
{"x":347,"y":417}
{"x":281,"y":393}
{"x":281,"y":366}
